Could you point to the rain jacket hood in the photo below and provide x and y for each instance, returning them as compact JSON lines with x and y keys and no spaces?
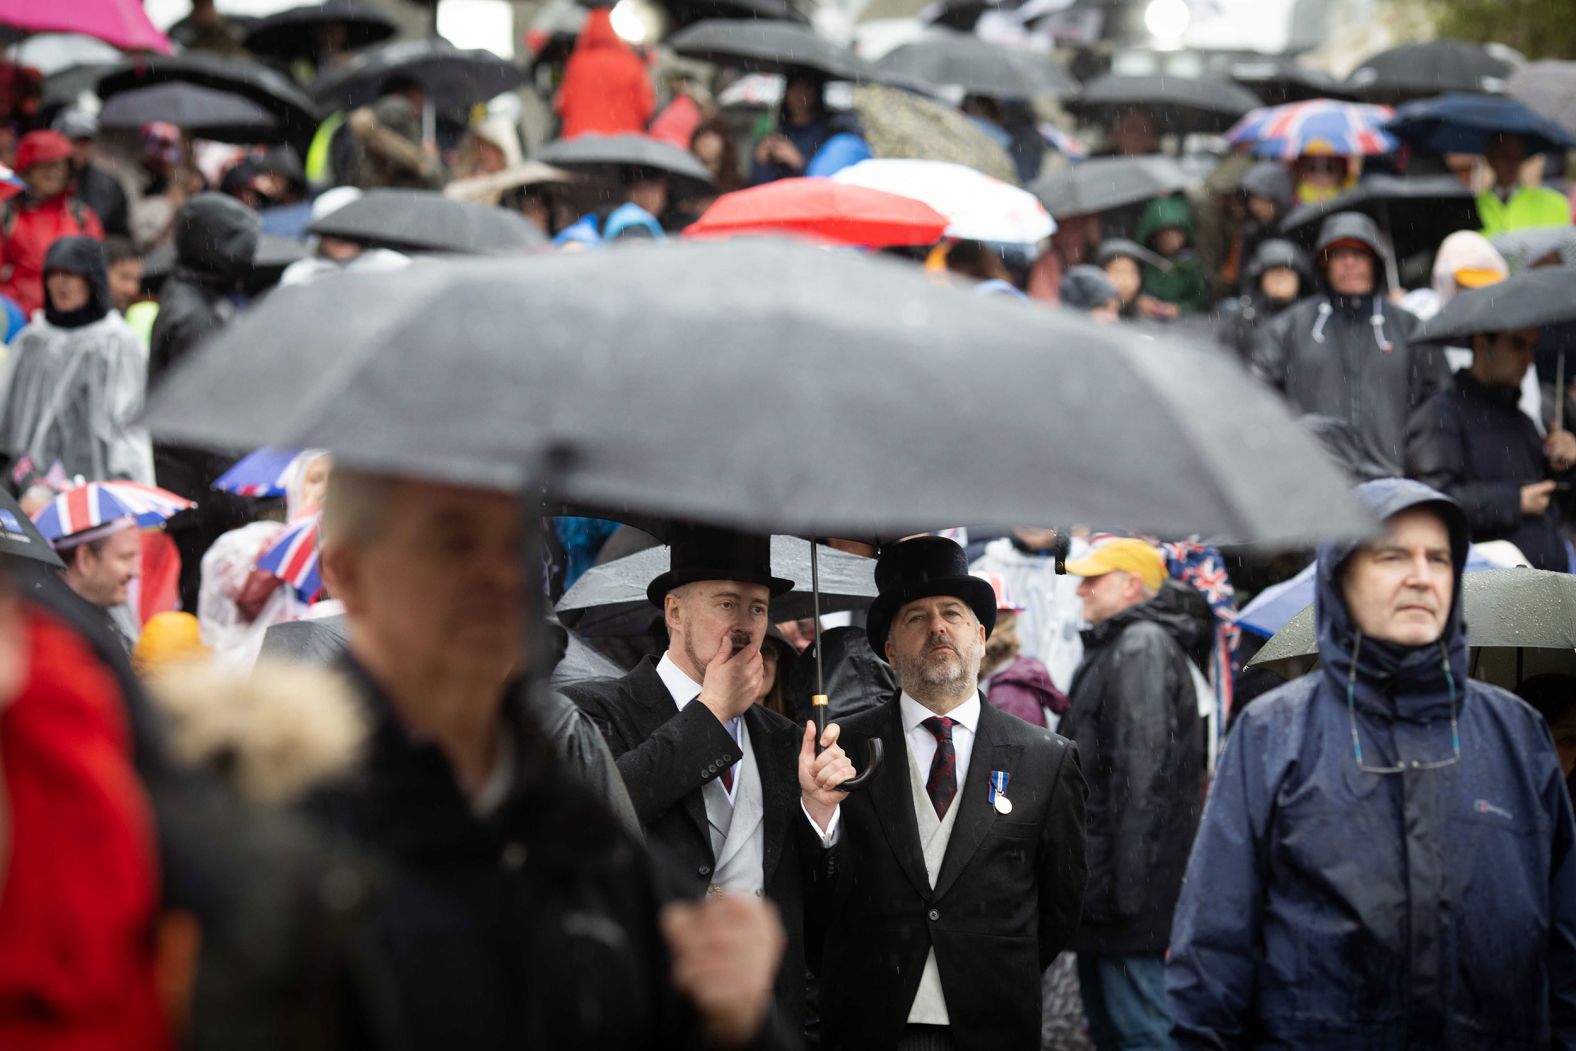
{"x":83,"y":256}
{"x":1276,"y":252}
{"x":1271,"y":181}
{"x":1390,"y":680}
{"x":216,"y":237}
{"x":1353,"y":226}
{"x":1166,"y":213}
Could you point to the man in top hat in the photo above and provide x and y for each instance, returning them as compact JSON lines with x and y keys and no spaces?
{"x":960,"y":871}
{"x":731,"y":796}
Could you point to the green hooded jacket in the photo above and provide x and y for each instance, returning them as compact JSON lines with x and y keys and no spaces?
{"x":1184,"y":285}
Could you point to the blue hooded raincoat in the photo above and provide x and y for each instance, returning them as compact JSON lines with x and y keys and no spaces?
{"x":1325,"y":907}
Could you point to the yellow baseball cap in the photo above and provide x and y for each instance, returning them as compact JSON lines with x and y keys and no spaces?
{"x":1126,"y":554}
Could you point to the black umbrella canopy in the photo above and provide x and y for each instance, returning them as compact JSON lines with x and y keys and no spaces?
{"x":19,"y":538}
{"x":1414,"y":71}
{"x":1102,"y":183}
{"x":1281,"y":80}
{"x":610,"y":599}
{"x":296,"y":32}
{"x":946,"y":58}
{"x":768,"y":47}
{"x":1416,"y":212}
{"x":1530,"y":299}
{"x":205,"y":113}
{"x":295,"y":113}
{"x":628,"y":369}
{"x":1180,"y":104}
{"x":1549,"y":87}
{"x":454,"y":78}
{"x":605,"y":155}
{"x":427,"y":221}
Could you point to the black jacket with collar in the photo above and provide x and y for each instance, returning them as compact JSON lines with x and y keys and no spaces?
{"x":1005,"y":903}
{"x":667,"y":756}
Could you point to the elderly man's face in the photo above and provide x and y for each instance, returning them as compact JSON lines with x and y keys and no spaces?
{"x":441,"y":581}
{"x":699,"y":615}
{"x":936,"y":644}
{"x":1399,"y":588}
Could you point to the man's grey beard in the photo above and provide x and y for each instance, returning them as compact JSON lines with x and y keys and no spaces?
{"x":934,"y":680}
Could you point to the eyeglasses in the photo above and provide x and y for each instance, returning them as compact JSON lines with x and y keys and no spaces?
{"x":1415,"y":764}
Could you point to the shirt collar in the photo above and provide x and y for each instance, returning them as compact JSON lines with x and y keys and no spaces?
{"x":966,"y":715}
{"x":680,"y":686}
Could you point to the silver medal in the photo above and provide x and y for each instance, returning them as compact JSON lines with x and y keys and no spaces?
{"x":1003,"y":804}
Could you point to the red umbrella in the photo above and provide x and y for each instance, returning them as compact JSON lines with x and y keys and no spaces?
{"x":822,"y":210}
{"x":119,"y":22}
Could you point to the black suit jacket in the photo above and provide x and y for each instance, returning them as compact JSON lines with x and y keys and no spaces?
{"x":667,"y":756}
{"x":1006,"y":901}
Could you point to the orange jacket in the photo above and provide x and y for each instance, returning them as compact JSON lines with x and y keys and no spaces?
{"x":607,"y":88}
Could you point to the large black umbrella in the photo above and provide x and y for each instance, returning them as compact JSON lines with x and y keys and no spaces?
{"x":1279,"y":80}
{"x":427,"y":221}
{"x":1549,"y":87}
{"x":610,"y":599}
{"x":205,"y":113}
{"x":1461,"y":123}
{"x":297,"y":31}
{"x":1180,"y":104}
{"x":767,"y":47}
{"x":946,"y":58}
{"x":1102,"y":183}
{"x":1530,"y":299}
{"x":454,"y":78}
{"x":664,"y":378}
{"x":605,"y":155}
{"x":295,"y":113}
{"x":1416,"y":212}
{"x":1521,"y":622}
{"x":20,"y":538}
{"x":1414,"y":71}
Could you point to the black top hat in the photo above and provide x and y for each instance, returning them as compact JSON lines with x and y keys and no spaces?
{"x":924,"y":567}
{"x":708,"y":553}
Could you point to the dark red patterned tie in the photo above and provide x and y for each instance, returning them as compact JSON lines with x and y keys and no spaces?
{"x":943,"y":782}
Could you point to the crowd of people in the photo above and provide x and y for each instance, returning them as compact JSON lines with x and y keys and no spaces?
{"x":284,"y":762}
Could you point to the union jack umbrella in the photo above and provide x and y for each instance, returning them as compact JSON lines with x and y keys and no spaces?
{"x":264,"y":472}
{"x":292,"y":557}
{"x":96,"y":504}
{"x":1342,"y":129}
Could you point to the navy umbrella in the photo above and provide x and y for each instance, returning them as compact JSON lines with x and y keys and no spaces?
{"x":1462,"y":123}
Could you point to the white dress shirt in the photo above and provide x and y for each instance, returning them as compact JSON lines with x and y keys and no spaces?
{"x":965,"y":719}
{"x":684,"y":689}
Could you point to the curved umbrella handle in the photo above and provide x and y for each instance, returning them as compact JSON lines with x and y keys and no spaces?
{"x":875,"y":750}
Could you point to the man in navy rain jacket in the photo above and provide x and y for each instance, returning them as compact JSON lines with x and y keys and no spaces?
{"x":1364,"y":878}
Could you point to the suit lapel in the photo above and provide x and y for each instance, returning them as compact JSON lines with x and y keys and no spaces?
{"x":894,"y":801}
{"x":975,"y":815}
{"x":653,"y":705}
{"x":777,"y":761}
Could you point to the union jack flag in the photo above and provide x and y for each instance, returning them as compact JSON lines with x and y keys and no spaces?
{"x":1342,"y":129}
{"x":292,"y":557}
{"x":265,"y":472}
{"x":99,"y":503}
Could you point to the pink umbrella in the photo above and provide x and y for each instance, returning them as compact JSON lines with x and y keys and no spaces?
{"x":119,"y":22}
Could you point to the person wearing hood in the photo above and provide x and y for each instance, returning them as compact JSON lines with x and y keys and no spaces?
{"x":1266,"y":195}
{"x":77,"y":376}
{"x":1126,"y":263}
{"x":1385,"y":859}
{"x":45,"y":211}
{"x":215,"y":242}
{"x":1277,"y":276}
{"x":1133,"y":713}
{"x":1348,"y":352}
{"x":1089,"y":291}
{"x":1167,"y":229}
{"x":607,"y":88}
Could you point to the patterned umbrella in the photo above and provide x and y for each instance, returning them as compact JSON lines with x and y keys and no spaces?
{"x":95,"y":504}
{"x":292,"y":557}
{"x":1345,"y":129}
{"x":264,"y":472}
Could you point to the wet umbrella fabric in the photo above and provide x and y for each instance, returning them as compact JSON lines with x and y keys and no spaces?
{"x":977,"y":207}
{"x":293,"y":33}
{"x":767,"y":47}
{"x":263,"y":472}
{"x":1180,"y":104}
{"x":20,"y":538}
{"x":632,"y":390}
{"x":1346,"y":129}
{"x":1419,"y":70}
{"x":454,"y":78}
{"x":610,"y":599}
{"x":1549,"y":87}
{"x":1459,"y":123}
{"x":1281,"y":80}
{"x":1415,"y":212}
{"x":427,"y":221}
{"x":822,"y":210}
{"x":1530,"y":299}
{"x":295,"y":113}
{"x":100,"y":503}
{"x":120,"y":22}
{"x":1102,"y":183}
{"x":203,"y":113}
{"x":900,"y":125}
{"x":961,"y":60}
{"x":605,"y":154}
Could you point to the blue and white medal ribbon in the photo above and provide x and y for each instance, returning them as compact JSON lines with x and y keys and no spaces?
{"x":998,"y":791}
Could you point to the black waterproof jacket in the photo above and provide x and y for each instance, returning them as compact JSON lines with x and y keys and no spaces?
{"x":1134,"y":717}
{"x":1243,"y":317}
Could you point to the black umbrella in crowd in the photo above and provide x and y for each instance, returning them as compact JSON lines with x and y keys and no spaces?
{"x":1102,"y":183}
{"x":1281,"y":80}
{"x":947,"y":58}
{"x":427,"y":221}
{"x":610,"y":599}
{"x":1530,"y":299}
{"x":767,"y":47}
{"x":665,"y":379}
{"x":295,"y":113}
{"x":1461,"y":123}
{"x":1549,"y":87}
{"x":1180,"y":104}
{"x":607,"y":155}
{"x":1416,"y":212}
{"x":204,"y":113}
{"x":19,"y":538}
{"x":1414,"y":71}
{"x":298,"y":31}
{"x":454,"y":78}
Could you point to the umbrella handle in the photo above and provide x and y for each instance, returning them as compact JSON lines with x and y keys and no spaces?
{"x":875,"y":751}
